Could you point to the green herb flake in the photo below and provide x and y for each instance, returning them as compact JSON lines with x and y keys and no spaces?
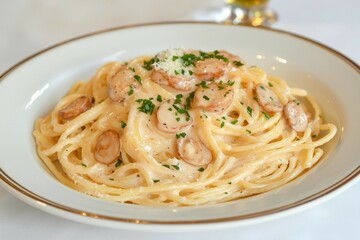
{"x":182,"y":71}
{"x":201,"y":169}
{"x":314,"y":136}
{"x":255,"y":98}
{"x":131,"y":91}
{"x":174,"y":58}
{"x":202,"y":84}
{"x":138,"y":78}
{"x":221,"y":87}
{"x":238,"y":63}
{"x":189,"y":100}
{"x":167,"y":166}
{"x":226,"y":192}
{"x":146,"y":106}
{"x":249,"y":110}
{"x":206,"y":98}
{"x":156,"y":180}
{"x":266,"y":115}
{"x":177,"y":119}
{"x":263,"y":88}
{"x":159,"y":98}
{"x":111,"y":179}
{"x":176,"y":167}
{"x":84,"y":165}
{"x":191,"y":72}
{"x":270,"y":85}
{"x":148,"y":65}
{"x":297,"y":102}
{"x":118,"y":163}
{"x":234,"y":122}
{"x":229,"y":183}
{"x":230,"y":83}
{"x":123,"y":124}
{"x":181,"y":135}
{"x":222,"y":124}
{"x":132,"y":69}
{"x":297,"y":139}
{"x":248,"y":131}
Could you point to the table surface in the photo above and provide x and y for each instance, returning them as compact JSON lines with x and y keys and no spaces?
{"x":29,"y":26}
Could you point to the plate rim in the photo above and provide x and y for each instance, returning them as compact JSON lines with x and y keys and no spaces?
{"x":21,"y":190}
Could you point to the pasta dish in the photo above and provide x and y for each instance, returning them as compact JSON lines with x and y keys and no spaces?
{"x":181,"y":128}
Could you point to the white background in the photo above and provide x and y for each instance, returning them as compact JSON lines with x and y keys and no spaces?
{"x":29,"y":26}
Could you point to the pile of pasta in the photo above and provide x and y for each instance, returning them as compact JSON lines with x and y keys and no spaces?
{"x":148,"y":132}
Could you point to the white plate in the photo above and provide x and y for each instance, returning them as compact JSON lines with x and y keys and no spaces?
{"x":32,"y":87}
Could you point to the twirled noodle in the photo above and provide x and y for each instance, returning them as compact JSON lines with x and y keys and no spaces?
{"x":252,"y":151}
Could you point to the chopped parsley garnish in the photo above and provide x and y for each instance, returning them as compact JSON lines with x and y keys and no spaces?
{"x":123,"y":124}
{"x":266,"y":115}
{"x":159,"y":98}
{"x":314,"y":135}
{"x":297,"y":102}
{"x":111,"y":179}
{"x":181,"y":135}
{"x":176,"y":167}
{"x":223,"y":117}
{"x":84,"y":165}
{"x":174,"y":58}
{"x":229,"y":183}
{"x":131,"y":92}
{"x":189,"y":59}
{"x":249,"y":110}
{"x":182,"y":71}
{"x":238,"y":63}
{"x":222,"y":124}
{"x":234,"y":122}
{"x":255,"y":98}
{"x":138,"y":78}
{"x":271,"y":99}
{"x":181,"y":110}
{"x":156,"y":180}
{"x":177,"y":119}
{"x":146,"y":106}
{"x":189,"y":100}
{"x":297,"y":139}
{"x":167,"y":166}
{"x":248,"y":131}
{"x":226,"y":192}
{"x":148,"y":64}
{"x":176,"y":72}
{"x":201,"y":169}
{"x":132,"y":69}
{"x":178,"y":99}
{"x":191,"y":72}
{"x":270,"y":85}
{"x":206,"y":98}
{"x":202,"y":84}
{"x":221,"y":87}
{"x":262,"y":87}
{"x":230,"y":83}
{"x":118,"y":163}
{"x":241,"y":103}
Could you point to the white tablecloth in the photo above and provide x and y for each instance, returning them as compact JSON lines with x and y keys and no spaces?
{"x":29,"y":26}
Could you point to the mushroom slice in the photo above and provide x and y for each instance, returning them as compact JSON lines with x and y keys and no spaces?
{"x":296,"y":116}
{"x":267,"y":99}
{"x":213,"y":97}
{"x":122,"y":84}
{"x":193,"y":151}
{"x":171,"y":119}
{"x":75,"y":108}
{"x":107,"y":148}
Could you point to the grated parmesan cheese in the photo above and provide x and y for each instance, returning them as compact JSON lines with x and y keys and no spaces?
{"x":170,"y":65}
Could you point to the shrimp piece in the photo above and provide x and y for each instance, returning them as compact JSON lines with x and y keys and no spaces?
{"x":296,"y":116}
{"x":193,"y":151}
{"x":107,"y":148}
{"x":75,"y":108}
{"x":213,"y":97}
{"x":179,"y":82}
{"x":170,"y":120}
{"x":267,"y":99}
{"x":122,"y":84}
{"x":211,"y":68}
